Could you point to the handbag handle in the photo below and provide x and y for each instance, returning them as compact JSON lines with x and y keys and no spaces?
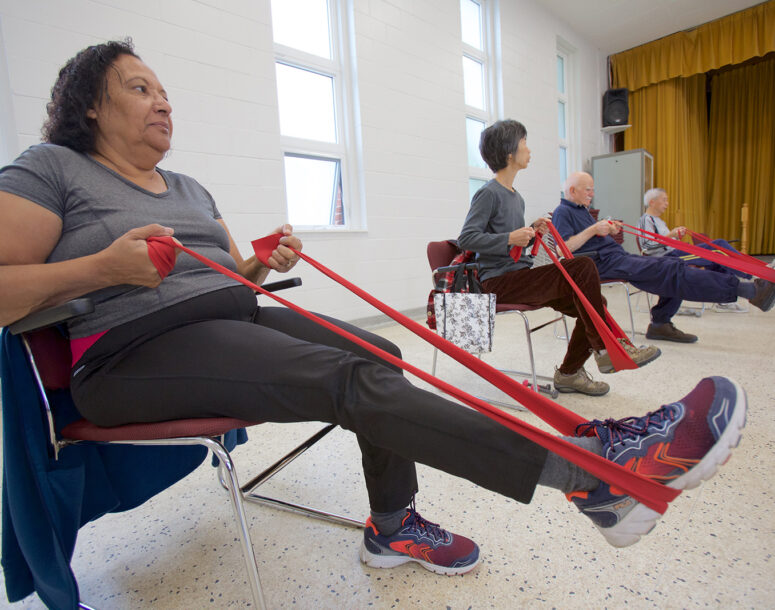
{"x":474,"y":287}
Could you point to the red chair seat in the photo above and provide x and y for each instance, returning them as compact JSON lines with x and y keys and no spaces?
{"x":510,"y":307}
{"x":83,"y":430}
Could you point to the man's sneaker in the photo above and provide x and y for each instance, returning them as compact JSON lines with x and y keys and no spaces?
{"x":765,"y":294}
{"x":640,"y":355}
{"x":730,"y":308}
{"x":419,"y":540}
{"x":580,"y":381}
{"x":691,"y":311}
{"x":668,"y":332}
{"x":680,"y":445}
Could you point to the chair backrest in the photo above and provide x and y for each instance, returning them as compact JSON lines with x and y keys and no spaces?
{"x":441,"y":253}
{"x":542,"y":258}
{"x":638,"y":244}
{"x":51,"y":351}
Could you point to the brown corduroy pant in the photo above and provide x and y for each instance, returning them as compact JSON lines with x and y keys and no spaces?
{"x":547,"y":287}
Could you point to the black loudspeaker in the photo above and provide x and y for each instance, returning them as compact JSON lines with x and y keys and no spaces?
{"x":615,"y":108}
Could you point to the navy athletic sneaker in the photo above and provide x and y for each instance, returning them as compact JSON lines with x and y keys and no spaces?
{"x":679,"y":445}
{"x":419,"y":540}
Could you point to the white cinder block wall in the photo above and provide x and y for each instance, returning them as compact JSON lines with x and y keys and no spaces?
{"x":216,"y":61}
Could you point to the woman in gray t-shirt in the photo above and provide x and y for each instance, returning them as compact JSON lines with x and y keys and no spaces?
{"x":76,"y":215}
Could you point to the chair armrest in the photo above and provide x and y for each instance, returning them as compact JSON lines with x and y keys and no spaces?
{"x":52,"y":316}
{"x":466,"y":267}
{"x":282,"y":284}
{"x":78,"y":307}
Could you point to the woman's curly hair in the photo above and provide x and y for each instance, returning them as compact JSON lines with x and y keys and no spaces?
{"x":82,"y":83}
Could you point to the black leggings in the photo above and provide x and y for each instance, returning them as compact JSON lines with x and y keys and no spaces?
{"x":220,"y":355}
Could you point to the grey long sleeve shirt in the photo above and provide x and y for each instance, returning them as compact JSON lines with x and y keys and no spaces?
{"x":495,"y":212}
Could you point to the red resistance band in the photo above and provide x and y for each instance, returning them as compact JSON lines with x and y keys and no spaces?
{"x":609,"y":330}
{"x":720,"y":248}
{"x":652,"y":494}
{"x":733,"y":260}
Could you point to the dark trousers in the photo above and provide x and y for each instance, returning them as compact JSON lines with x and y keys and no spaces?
{"x":219,"y":355}
{"x":546,"y":287}
{"x":696,"y":261}
{"x":671,"y":278}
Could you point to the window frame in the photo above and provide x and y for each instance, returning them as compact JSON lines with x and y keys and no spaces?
{"x":341,"y":69}
{"x":492,"y":93}
{"x":570,"y":142}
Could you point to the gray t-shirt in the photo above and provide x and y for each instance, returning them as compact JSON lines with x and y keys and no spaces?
{"x":97,"y":206}
{"x":494,"y":213}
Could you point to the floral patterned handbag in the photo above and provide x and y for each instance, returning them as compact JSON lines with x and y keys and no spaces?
{"x":466,"y":317}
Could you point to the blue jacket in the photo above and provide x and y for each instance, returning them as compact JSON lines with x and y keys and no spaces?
{"x":46,"y":501}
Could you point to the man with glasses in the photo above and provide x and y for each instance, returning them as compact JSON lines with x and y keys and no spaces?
{"x":669,"y":277}
{"x":655,"y":203}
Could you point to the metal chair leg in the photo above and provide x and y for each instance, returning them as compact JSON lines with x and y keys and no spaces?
{"x":229,"y":481}
{"x":232,"y":484}
{"x":247,"y":491}
{"x":532,"y":375}
{"x":629,"y":308}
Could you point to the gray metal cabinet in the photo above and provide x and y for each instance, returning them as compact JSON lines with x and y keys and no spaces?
{"x":621,"y":180}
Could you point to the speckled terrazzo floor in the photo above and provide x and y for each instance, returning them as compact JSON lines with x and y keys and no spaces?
{"x":713,"y":548}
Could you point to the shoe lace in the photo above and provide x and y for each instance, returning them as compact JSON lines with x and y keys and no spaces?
{"x":583,"y":373}
{"x":628,"y":347}
{"x":421,"y":525}
{"x":629,"y":427}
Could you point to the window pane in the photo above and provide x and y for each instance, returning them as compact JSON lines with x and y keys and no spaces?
{"x":561,"y":120}
{"x":563,"y":165}
{"x":473,"y":83}
{"x":561,"y":74}
{"x":471,"y":23}
{"x":303,"y":25}
{"x":474,"y":130}
{"x":306,"y":104}
{"x":474,"y":184}
{"x":313,"y":188}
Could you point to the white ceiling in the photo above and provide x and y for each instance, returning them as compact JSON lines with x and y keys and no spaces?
{"x":618,"y":25}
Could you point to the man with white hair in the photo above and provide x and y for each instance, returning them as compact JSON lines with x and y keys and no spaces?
{"x":667,"y":276}
{"x":656,"y":202}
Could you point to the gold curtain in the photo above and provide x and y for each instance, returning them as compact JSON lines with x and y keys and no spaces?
{"x":727,"y":41}
{"x":742,"y":154}
{"x":669,"y":120}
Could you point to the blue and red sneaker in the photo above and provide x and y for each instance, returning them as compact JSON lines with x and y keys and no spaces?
{"x":419,"y":540}
{"x":679,"y":445}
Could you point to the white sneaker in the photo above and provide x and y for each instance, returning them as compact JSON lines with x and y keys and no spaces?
{"x":730,"y":308}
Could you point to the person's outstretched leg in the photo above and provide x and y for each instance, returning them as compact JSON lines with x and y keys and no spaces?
{"x":672,"y":278}
{"x":680,"y":445}
{"x":188,"y":361}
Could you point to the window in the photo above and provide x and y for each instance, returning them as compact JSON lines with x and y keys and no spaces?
{"x":565,"y":153}
{"x":7,"y":129}
{"x":315,"y":114}
{"x":479,"y":83}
